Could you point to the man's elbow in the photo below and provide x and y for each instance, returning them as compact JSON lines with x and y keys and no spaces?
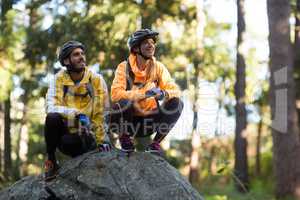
{"x":51,"y":109}
{"x":115,"y":95}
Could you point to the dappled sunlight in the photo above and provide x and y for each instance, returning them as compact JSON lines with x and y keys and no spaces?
{"x":197,"y":45}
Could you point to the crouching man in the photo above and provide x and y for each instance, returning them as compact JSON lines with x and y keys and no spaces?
{"x":76,"y":102}
{"x":140,"y":84}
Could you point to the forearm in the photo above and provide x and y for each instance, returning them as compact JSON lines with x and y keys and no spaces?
{"x":99,"y":131}
{"x":65,"y":111}
{"x":131,"y":95}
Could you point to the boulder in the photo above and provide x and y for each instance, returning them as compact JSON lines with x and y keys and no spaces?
{"x":107,"y":176}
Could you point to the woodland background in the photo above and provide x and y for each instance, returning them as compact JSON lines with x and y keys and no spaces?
{"x":237,"y":63}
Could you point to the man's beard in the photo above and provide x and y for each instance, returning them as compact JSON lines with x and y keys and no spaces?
{"x":71,"y":68}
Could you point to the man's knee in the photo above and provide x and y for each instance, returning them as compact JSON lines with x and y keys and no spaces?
{"x":53,"y":118}
{"x":174,"y":106}
{"x":70,"y":144}
{"x":121,"y":108}
{"x":180,"y":105}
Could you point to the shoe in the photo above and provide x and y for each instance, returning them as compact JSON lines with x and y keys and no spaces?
{"x":126,"y":143}
{"x":155,"y":148}
{"x":51,"y":169}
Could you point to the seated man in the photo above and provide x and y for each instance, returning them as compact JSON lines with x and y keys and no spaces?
{"x":139,"y":84}
{"x":76,"y":101}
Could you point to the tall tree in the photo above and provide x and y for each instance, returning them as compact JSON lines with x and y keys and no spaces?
{"x":262,"y":107}
{"x":9,"y":39}
{"x":6,"y":5}
{"x":28,"y":84}
{"x":258,"y":143}
{"x":7,"y":137}
{"x":240,"y":142}
{"x":1,"y":136}
{"x":147,"y":18}
{"x":195,"y":141}
{"x":285,"y":132}
{"x":297,"y":56}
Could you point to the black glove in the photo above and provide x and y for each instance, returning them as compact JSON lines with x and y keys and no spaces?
{"x":156,"y":92}
{"x":104,"y":147}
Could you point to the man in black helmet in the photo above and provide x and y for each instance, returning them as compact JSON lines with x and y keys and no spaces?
{"x":77,"y":100}
{"x":139,"y":84}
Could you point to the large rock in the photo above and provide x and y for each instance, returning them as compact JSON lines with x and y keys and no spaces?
{"x":109,"y":176}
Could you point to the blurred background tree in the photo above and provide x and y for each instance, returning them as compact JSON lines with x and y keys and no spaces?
{"x":201,"y":50}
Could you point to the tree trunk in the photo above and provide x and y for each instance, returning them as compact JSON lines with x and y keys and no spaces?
{"x":147,"y":18}
{"x":258,"y":143}
{"x":7,"y":138}
{"x":1,"y":135}
{"x":297,"y":56}
{"x":240,"y":142}
{"x":285,"y":132}
{"x":6,"y":5}
{"x":194,"y":157}
{"x":195,"y":140}
{"x":22,"y":141}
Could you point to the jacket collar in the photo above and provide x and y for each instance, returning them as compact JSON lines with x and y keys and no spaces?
{"x":68,"y":81}
{"x":137,"y":72}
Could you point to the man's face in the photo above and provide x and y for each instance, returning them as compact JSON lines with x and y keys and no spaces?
{"x":148,"y":47}
{"x":76,"y":59}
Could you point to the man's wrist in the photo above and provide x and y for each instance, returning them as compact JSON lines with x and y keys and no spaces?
{"x":105,"y":146}
{"x":166,"y":94}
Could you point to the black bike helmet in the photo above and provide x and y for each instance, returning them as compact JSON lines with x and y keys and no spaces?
{"x":66,"y":50}
{"x":137,"y":37}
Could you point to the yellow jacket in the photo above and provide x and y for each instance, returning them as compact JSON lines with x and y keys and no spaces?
{"x":68,"y":104}
{"x":154,"y":75}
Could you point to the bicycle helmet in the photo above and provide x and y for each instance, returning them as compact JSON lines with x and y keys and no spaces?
{"x":137,"y":37}
{"x":67,"y":49}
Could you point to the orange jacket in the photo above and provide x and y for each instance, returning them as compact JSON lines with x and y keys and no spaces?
{"x":154,"y":75}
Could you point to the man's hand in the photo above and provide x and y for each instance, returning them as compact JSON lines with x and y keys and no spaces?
{"x":83,"y":123}
{"x":104,"y":147}
{"x":83,"y":120}
{"x":156,"y":92}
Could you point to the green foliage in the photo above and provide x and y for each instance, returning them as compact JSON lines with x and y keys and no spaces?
{"x":178,"y":152}
{"x":5,"y":84}
{"x":217,"y":61}
{"x":11,"y":35}
{"x":28,"y":51}
{"x":36,"y":153}
{"x":104,"y":27}
{"x":220,"y":187}
{"x":259,"y":191}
